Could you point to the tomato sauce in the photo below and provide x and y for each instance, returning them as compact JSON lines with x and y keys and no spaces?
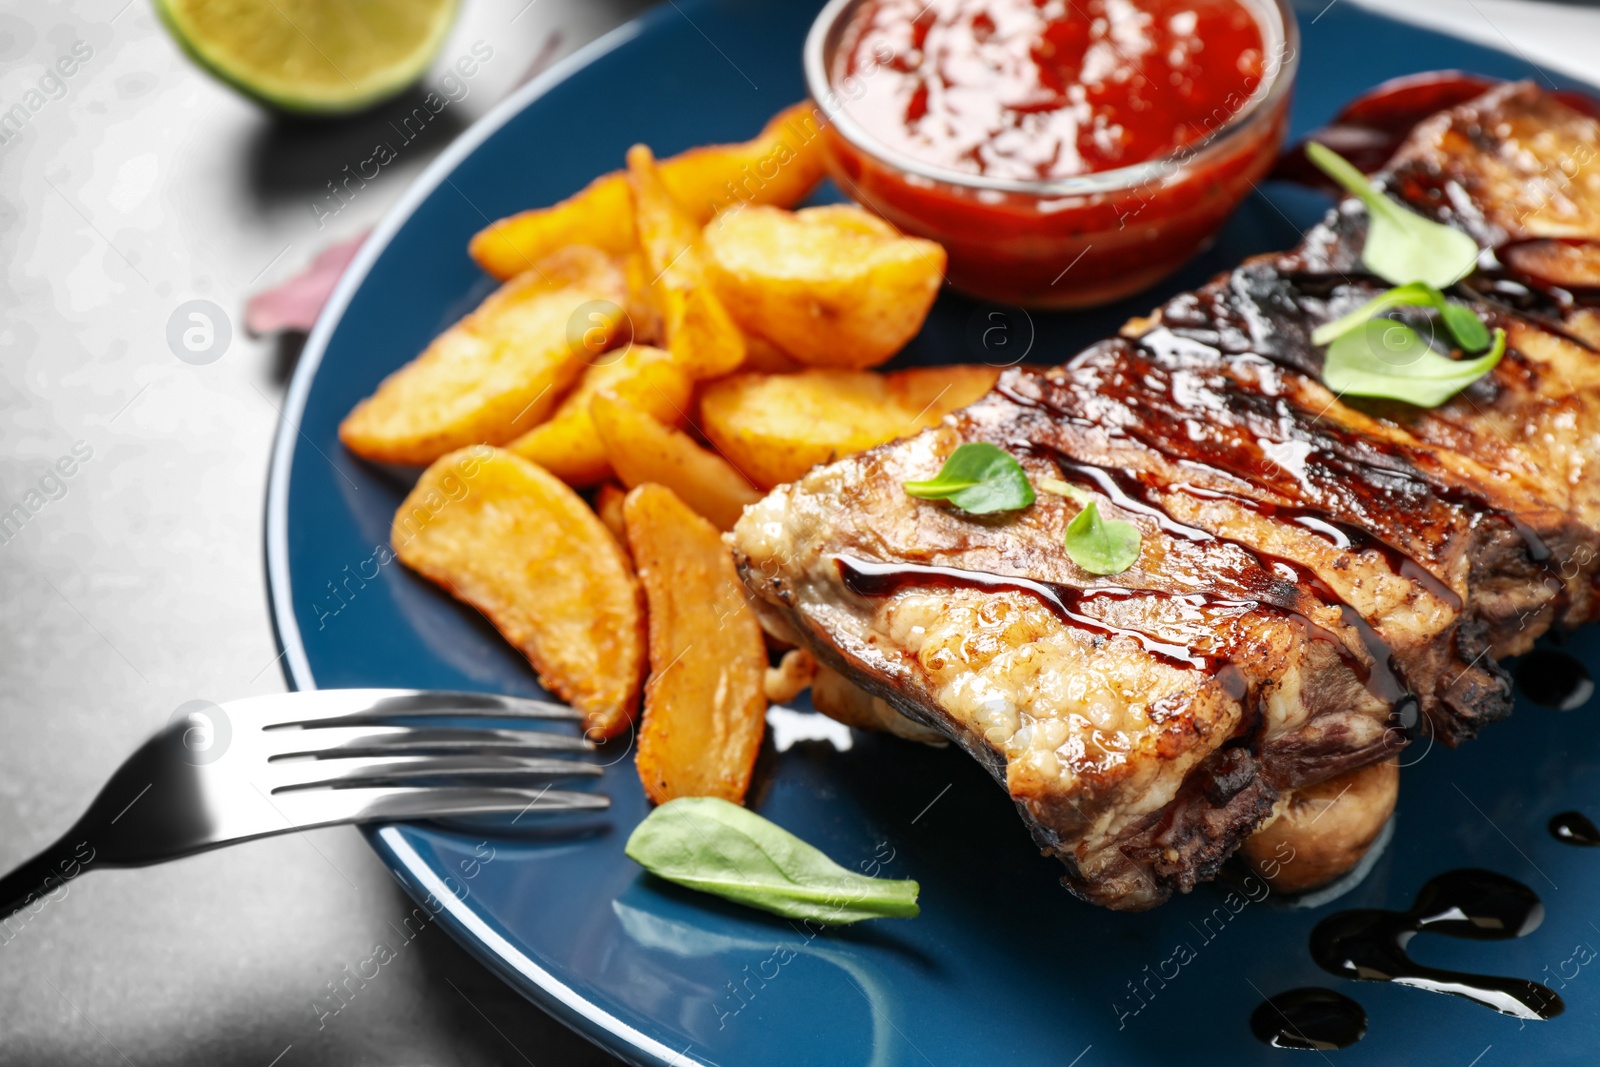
{"x":1065,"y":152}
{"x":1042,"y":89}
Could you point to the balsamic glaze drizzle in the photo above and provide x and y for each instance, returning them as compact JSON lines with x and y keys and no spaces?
{"x":874,"y":579}
{"x":1309,"y":1018}
{"x":1477,"y":905}
{"x":1129,"y":492}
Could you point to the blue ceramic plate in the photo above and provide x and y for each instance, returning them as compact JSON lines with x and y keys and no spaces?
{"x":1002,"y":965}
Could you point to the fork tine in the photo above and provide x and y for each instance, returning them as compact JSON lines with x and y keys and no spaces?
{"x":304,"y":809}
{"x":496,"y":771}
{"x":334,"y":707}
{"x":334,"y":742}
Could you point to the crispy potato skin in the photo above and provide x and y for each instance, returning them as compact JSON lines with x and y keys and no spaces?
{"x":776,"y":427}
{"x":516,"y":543}
{"x":568,"y":447}
{"x":642,"y":450}
{"x":832,"y":286}
{"x":705,"y":704}
{"x":705,"y":180}
{"x":697,"y":329}
{"x":1323,"y":830}
{"x":496,"y":373}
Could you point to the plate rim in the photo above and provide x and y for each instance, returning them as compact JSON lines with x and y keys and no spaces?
{"x":566,"y":1004}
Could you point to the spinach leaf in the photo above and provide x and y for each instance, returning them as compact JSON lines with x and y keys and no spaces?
{"x":1100,"y":546}
{"x":1391,"y":360}
{"x":1462,"y":322}
{"x":978,"y":478}
{"x":1401,"y":246}
{"x":720,"y":848}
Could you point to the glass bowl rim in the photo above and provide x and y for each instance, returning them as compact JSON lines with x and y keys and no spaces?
{"x":1281,"y":37}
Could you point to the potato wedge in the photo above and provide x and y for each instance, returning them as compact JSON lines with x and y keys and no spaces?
{"x":498,"y":372}
{"x":642,"y":450}
{"x":695,"y":325}
{"x":704,"y":706}
{"x":832,"y":286}
{"x":608,"y":505}
{"x":762,"y":355}
{"x":775,"y":427}
{"x":779,"y":166}
{"x":646,"y":378}
{"x":516,"y":543}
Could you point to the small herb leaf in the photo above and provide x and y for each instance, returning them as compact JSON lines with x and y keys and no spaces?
{"x":1100,"y":546}
{"x":1414,"y":295}
{"x":720,"y":848}
{"x":1389,"y":359}
{"x":1462,"y":322}
{"x":1401,"y":246}
{"x":1464,"y":325}
{"x":978,"y":478}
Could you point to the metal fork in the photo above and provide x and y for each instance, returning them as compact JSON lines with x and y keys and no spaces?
{"x":275,"y":764}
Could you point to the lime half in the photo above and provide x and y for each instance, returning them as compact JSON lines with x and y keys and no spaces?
{"x":318,"y":56}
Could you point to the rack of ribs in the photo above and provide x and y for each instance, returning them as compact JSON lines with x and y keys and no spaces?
{"x":1319,"y":579}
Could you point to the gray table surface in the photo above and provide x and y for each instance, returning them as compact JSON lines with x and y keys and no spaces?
{"x":137,"y":185}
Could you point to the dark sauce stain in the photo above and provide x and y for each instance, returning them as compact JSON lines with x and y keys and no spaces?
{"x":1310,"y":1018}
{"x":1574,"y":828}
{"x":1554,"y":679}
{"x":1477,"y":905}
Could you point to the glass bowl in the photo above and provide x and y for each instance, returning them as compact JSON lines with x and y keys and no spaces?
{"x":1066,"y":242}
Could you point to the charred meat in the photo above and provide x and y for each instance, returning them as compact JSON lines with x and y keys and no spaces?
{"x":1315,"y":574}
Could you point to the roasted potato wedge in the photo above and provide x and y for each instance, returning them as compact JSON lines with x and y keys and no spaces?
{"x":498,"y":372}
{"x":696,"y":327}
{"x":647,"y":378}
{"x":779,"y":166}
{"x":832,"y":286}
{"x":775,"y":427}
{"x":762,"y":355}
{"x":643,"y":450}
{"x":705,"y":706}
{"x":608,"y":505}
{"x":516,"y":543}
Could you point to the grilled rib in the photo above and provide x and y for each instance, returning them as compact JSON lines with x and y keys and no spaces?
{"x":1314,"y":572}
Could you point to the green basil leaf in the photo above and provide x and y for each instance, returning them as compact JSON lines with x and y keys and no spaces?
{"x":978,"y":478}
{"x":1464,"y":325}
{"x":1462,"y":322}
{"x":720,"y":848}
{"x":1389,"y":359}
{"x":1414,"y":295}
{"x":1401,"y":245}
{"x":1099,"y":546}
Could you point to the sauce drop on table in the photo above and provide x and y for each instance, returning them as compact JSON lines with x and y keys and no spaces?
{"x":1310,"y":1018}
{"x":1575,"y":828}
{"x":1477,"y":905}
{"x":1554,"y":679}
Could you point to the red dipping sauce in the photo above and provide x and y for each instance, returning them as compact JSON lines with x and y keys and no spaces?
{"x":1065,"y":152}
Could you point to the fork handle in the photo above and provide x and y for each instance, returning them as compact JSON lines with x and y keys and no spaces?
{"x":39,"y":882}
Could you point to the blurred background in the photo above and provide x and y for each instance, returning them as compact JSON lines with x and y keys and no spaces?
{"x":134,"y":192}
